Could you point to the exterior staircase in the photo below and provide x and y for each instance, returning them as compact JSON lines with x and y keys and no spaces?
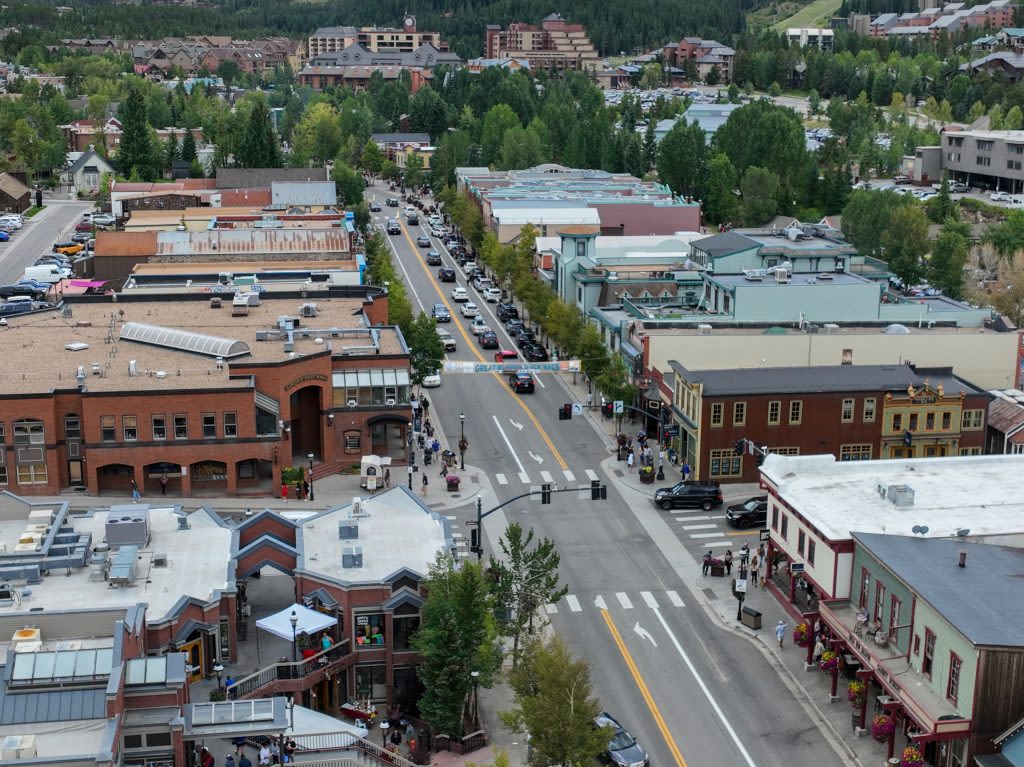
{"x":288,"y":677}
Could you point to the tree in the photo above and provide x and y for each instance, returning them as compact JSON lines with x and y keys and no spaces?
{"x":520,"y":148}
{"x":428,"y":112}
{"x":1014,"y":119}
{"x":813,"y":102}
{"x":866,"y":218}
{"x":228,"y":71}
{"x":554,"y":703}
{"x":721,"y":205}
{"x":683,"y":159}
{"x":135,"y":152}
{"x":905,"y":240}
{"x":259,"y":147}
{"x":525,"y":580}
{"x":498,"y":119}
{"x":317,"y":136}
{"x":349,"y":183}
{"x":172,"y":151}
{"x":372,"y":158}
{"x":1007,"y":294}
{"x":188,"y":147}
{"x":759,"y":189}
{"x":941,"y":208}
{"x":1007,"y":238}
{"x":650,"y":145}
{"x":713,"y":77}
{"x":946,"y":266}
{"x":413,"y":173}
{"x":457,"y":633}
{"x":426,"y":350}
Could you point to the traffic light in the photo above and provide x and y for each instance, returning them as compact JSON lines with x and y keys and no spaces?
{"x":474,"y":540}
{"x":741,"y":447}
{"x":598,"y":492}
{"x":565,"y":412}
{"x":545,"y":494}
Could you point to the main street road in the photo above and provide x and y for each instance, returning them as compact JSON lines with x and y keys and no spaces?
{"x":691,"y":692}
{"x":37,"y":237}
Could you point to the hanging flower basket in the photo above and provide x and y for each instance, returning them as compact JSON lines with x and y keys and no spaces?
{"x":912,"y":757}
{"x":882,"y":726}
{"x":856,"y":693}
{"x":802,"y":635}
{"x":829,"y":661}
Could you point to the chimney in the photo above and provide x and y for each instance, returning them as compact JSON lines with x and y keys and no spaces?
{"x":963,"y":559}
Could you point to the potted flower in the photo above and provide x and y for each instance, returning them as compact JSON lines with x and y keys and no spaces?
{"x":647,"y":474}
{"x":452,"y":483}
{"x":912,"y":757}
{"x":802,"y":634}
{"x":717,"y":567}
{"x":856,"y":693}
{"x":829,"y":661}
{"x":882,"y":726}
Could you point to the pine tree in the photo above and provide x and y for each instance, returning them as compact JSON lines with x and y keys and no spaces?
{"x":259,"y":147}
{"x":134,"y":153}
{"x":650,"y":144}
{"x":188,"y":146}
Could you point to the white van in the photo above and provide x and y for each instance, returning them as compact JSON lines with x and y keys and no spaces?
{"x":1016,"y":201}
{"x":49,"y":273}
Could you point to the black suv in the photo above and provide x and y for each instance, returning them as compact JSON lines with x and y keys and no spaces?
{"x":521,"y":382}
{"x":391,"y":202}
{"x":524,"y":337}
{"x":440,"y":313}
{"x":753,"y":511}
{"x":534,"y":352}
{"x":393,"y":227}
{"x":706,"y":495}
{"x":433,"y":258}
{"x":446,"y":274}
{"x":507,"y":311}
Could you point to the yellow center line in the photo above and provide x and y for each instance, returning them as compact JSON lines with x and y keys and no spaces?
{"x":644,"y":692}
{"x":471,"y":345}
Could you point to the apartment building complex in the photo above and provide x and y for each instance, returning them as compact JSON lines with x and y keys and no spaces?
{"x":950,"y":19}
{"x":985,"y":158}
{"x":706,"y":54}
{"x":554,"y":44}
{"x":374,"y":39}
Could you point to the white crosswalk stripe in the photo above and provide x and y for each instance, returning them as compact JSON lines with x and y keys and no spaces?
{"x":502,"y":479}
{"x":649,"y":599}
{"x":716,"y":544}
{"x":591,"y":475}
{"x":675,"y":599}
{"x":545,"y":476}
{"x":701,"y":527}
{"x":705,"y":535}
{"x":573,"y":602}
{"x":524,"y":477}
{"x":569,"y":476}
{"x":624,"y":600}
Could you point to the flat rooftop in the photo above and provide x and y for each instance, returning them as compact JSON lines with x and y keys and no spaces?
{"x":241,"y":268}
{"x":800,"y":280}
{"x":83,"y":737}
{"x":44,"y":350}
{"x":199,"y":565}
{"x":984,"y":494}
{"x":395,"y":532}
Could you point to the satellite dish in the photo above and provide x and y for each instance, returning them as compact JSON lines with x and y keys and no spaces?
{"x":963,"y":532}
{"x":919,"y":529}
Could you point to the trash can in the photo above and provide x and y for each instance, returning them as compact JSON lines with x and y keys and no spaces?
{"x":449,"y":458}
{"x":750,"y":618}
{"x":427,"y":457}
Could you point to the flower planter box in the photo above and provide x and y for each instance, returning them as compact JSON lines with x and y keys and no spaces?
{"x":647,"y":478}
{"x":453,"y":484}
{"x":718,"y":571}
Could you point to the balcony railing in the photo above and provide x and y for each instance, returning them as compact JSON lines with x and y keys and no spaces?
{"x":284,"y":671}
{"x":325,"y":742}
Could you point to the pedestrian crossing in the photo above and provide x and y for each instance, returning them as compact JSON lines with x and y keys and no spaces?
{"x":707,"y":531}
{"x":649,"y":599}
{"x":544,"y":476}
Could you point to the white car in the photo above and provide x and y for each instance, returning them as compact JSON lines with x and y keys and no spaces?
{"x":446,"y":339}
{"x":460,"y":295}
{"x":432,"y":381}
{"x":999,"y":196}
{"x":15,"y":222}
{"x":469,"y":267}
{"x":103,"y":219}
{"x":492,"y":295}
{"x":469,"y":309}
{"x":435,"y":220}
{"x":478,"y":326}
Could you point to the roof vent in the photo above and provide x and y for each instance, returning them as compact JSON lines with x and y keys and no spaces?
{"x":348,"y":530}
{"x":161,"y":374}
{"x":97,"y":369}
{"x":352,"y":557}
{"x":900,"y":495}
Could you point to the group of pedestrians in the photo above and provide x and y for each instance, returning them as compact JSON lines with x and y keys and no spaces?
{"x":300,"y":489}
{"x":749,"y":562}
{"x":642,"y":453}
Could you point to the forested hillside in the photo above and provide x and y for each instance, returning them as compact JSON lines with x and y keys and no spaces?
{"x":613,"y":26}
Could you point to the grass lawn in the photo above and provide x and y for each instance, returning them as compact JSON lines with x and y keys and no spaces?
{"x":810,"y":15}
{"x":33,"y":210}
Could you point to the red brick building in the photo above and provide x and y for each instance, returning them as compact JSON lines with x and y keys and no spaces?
{"x":855,"y":412}
{"x":216,"y":397}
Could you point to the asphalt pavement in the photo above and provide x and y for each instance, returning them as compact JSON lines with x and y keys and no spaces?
{"x":38,"y":235}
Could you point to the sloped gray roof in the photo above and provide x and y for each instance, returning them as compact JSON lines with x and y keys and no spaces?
{"x":254,"y":178}
{"x":977,"y":599}
{"x":401,"y":138}
{"x":67,"y":705}
{"x":90,"y":155}
{"x":724,"y":244}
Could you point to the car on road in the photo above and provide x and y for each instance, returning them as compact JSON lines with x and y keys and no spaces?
{"x":391,"y":202}
{"x":507,"y":311}
{"x":469,"y":310}
{"x":705,"y":495}
{"x":504,"y":355}
{"x":440,"y":313}
{"x":433,"y":258}
{"x":68,"y":248}
{"x":469,"y":267}
{"x":535,"y":353}
{"x":446,"y":339}
{"x":459,"y":294}
{"x":393,"y":227}
{"x":514,"y":325}
{"x":446,"y":274}
{"x":432,"y":381}
{"x":423,"y":241}
{"x":623,"y":749}
{"x":489,"y":340}
{"x":753,"y":511}
{"x":521,"y":382}
{"x":492,"y":295}
{"x":478,"y":325}
{"x":524,"y":336}
{"x":375,"y":207}
{"x":1000,"y":197}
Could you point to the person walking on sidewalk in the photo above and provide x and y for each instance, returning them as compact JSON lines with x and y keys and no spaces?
{"x":728,"y":561}
{"x":163,"y":484}
{"x":755,"y":565}
{"x":284,"y":492}
{"x":780,"y":632}
{"x":686,"y":471}
{"x":387,"y":478}
{"x":707,"y":564}
{"x":629,"y":461}
{"x":423,"y":486}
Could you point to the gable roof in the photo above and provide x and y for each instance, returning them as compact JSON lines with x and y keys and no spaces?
{"x":1005,"y":416}
{"x":9,"y":185}
{"x":90,"y":155}
{"x":929,"y":567}
{"x":249,"y":178}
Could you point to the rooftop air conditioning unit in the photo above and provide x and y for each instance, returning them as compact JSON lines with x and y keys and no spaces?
{"x":18,"y":748}
{"x":703,"y":330}
{"x":309,"y":310}
{"x":348,"y":530}
{"x":781,"y":275}
{"x":826,"y":276}
{"x":352,"y":557}
{"x":358,"y":509}
{"x":831,"y":328}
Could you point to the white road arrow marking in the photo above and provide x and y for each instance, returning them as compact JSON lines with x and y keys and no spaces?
{"x":643,"y":633}
{"x":517,"y":425}
{"x":599,"y":603}
{"x":537,"y":458}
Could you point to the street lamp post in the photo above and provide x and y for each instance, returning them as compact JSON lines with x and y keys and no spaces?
{"x":310,"y":457}
{"x":385,"y":725}
{"x":476,"y":680}
{"x":217,"y":669}
{"x":462,"y":441}
{"x":294,"y":620}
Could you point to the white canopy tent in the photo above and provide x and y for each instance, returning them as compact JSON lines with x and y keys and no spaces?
{"x":307,"y":622}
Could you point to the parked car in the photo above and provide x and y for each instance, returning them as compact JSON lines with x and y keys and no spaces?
{"x":521,"y":382}
{"x":104,"y":219}
{"x":999,"y":197}
{"x":459,"y":294}
{"x":13,"y":221}
{"x":514,"y":325}
{"x":375,"y":207}
{"x":432,"y":381}
{"x":435,"y":219}
{"x":81,"y":237}
{"x":623,"y":749}
{"x":22,"y":289}
{"x":492,"y":295}
{"x":83,"y":226}
{"x":446,"y":274}
{"x":753,"y":511}
{"x":393,"y":227}
{"x":16,"y":307}
{"x":423,"y":241}
{"x":4,"y":236}
{"x":469,"y":310}
{"x":705,"y":495}
{"x":446,"y":339}
{"x":524,"y":337}
{"x":535,"y":353}
{"x":469,"y":267}
{"x":489,"y":340}
{"x":507,"y":311}
{"x":478,"y":326}
{"x":901,"y":179}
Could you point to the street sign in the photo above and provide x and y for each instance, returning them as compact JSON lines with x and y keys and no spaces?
{"x":796,"y":567}
{"x":577,"y":409}
{"x":617,"y":407}
{"x":766,"y":535}
{"x":741,"y":586}
{"x":671,"y":431}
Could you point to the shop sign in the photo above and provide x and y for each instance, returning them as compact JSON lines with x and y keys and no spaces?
{"x":304,"y":378}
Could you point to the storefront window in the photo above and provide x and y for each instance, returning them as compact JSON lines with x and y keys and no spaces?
{"x":371,"y":682}
{"x":405,"y":628}
{"x":369,"y":630}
